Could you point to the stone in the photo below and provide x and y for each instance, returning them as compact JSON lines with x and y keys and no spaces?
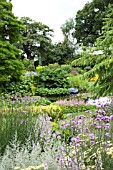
{"x":73,"y":90}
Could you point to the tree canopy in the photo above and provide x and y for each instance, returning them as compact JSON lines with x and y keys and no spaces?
{"x":102,"y":64}
{"x":89,"y":22}
{"x":10,"y":64}
{"x":36,"y":39}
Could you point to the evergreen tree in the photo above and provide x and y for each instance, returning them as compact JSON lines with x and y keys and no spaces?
{"x":102,"y":64}
{"x":10,"y":64}
{"x":105,"y":41}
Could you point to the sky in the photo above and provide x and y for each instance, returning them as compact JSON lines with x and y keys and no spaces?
{"x":53,"y":13}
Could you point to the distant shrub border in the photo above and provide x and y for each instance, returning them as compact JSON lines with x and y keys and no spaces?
{"x":51,"y":91}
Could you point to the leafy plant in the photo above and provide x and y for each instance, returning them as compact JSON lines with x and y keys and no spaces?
{"x":52,"y":76}
{"x":79,"y":82}
{"x":51,"y":91}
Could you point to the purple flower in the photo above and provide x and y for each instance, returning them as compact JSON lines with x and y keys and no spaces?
{"x":61,"y":161}
{"x":81,"y":117}
{"x":95,"y":123}
{"x":21,"y":122}
{"x":58,"y":137}
{"x":107,"y":118}
{"x":73,"y":139}
{"x":92,"y":142}
{"x":106,"y":144}
{"x":88,"y":111}
{"x":107,"y":134}
{"x":107,"y":126}
{"x":86,"y":129}
{"x":66,"y":125}
{"x":98,"y":126}
{"x":91,"y":136}
{"x":58,"y":156}
{"x":111,"y":117}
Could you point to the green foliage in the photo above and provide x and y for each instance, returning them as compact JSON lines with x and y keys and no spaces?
{"x":13,"y":121}
{"x":88,"y":59}
{"x":41,"y":101}
{"x":104,"y":67}
{"x":10,"y":64}
{"x":61,"y":52}
{"x":52,"y":76}
{"x":51,"y":91}
{"x":39,"y":68}
{"x":18,"y":101}
{"x":77,"y":109}
{"x":21,"y":88}
{"x":28,"y":64}
{"x":36,"y":39}
{"x":78,"y":81}
{"x":104,"y":84}
{"x":105,"y":41}
{"x":89,"y":22}
{"x":10,"y":26}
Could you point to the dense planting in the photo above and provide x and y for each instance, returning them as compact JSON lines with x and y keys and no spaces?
{"x":47,"y":119}
{"x":74,"y":135}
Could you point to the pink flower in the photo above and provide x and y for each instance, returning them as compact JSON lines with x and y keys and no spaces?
{"x":74,"y":72}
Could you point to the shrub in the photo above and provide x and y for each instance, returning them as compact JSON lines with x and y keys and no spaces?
{"x":21,"y":88}
{"x":24,"y":157}
{"x":52,"y":76}
{"x":79,"y":82}
{"x":51,"y":91}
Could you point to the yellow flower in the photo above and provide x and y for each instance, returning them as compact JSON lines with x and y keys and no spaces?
{"x":55,"y":125}
{"x":110,"y":151}
{"x":33,"y":88}
{"x":40,"y":166}
{"x":67,"y":132}
{"x":40,"y":68}
{"x":17,"y":168}
{"x":95,"y":78}
{"x":31,"y":167}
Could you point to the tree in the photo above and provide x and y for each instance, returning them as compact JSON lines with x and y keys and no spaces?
{"x":10,"y":64}
{"x":103,"y":64}
{"x":10,"y":26}
{"x":61,"y":53}
{"x":65,"y":50}
{"x":105,"y":41}
{"x":36,"y":39}
{"x":67,"y":29}
{"x":89,"y":22}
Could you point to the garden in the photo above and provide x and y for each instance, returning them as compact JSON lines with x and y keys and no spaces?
{"x":56,"y":100}
{"x":43,"y":126}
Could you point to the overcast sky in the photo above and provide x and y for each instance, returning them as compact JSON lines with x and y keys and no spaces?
{"x":53,"y":13}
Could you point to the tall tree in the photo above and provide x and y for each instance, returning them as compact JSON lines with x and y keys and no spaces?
{"x":36,"y":39}
{"x":105,"y":41}
{"x":10,"y":64}
{"x":10,"y":26}
{"x":89,"y":22}
{"x":65,"y":50}
{"x":102,"y":64}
